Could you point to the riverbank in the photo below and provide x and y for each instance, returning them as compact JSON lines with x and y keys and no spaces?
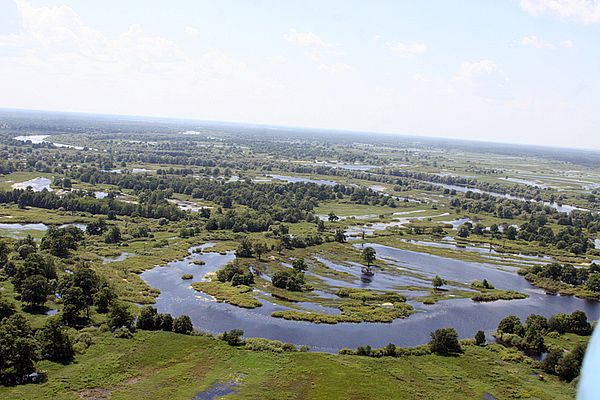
{"x":176,"y":366}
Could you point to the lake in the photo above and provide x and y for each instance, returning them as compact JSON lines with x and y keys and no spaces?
{"x":466,"y":316}
{"x":37,"y":184}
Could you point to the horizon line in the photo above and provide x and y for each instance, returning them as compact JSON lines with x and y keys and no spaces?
{"x":309,"y":128}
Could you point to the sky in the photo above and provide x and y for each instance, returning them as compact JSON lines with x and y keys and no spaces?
{"x":522,"y":71}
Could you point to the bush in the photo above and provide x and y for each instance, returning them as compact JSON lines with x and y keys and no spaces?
{"x":82,"y":342}
{"x":569,"y":365}
{"x":445,"y":341}
{"x":511,"y":324}
{"x":119,"y":316}
{"x":551,"y":361}
{"x":275,"y":346}
{"x":289,"y":280}
{"x":480,"y":338}
{"x":233,"y":337}
{"x":147,"y":319}
{"x":183,"y":325}
{"x":164,"y":322}
{"x":122,"y":333}
{"x":54,"y":341}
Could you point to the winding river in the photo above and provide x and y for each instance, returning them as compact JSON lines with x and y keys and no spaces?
{"x":466,"y":316}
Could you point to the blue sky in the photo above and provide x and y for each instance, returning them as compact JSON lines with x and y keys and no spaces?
{"x":525,"y":71}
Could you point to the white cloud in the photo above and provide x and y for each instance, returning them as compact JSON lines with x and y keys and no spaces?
{"x":483,"y":78}
{"x":305,"y":39}
{"x":191,"y":31}
{"x":537,"y":43}
{"x":407,"y":50}
{"x":276,"y":60}
{"x":133,"y":72}
{"x":335,"y":68}
{"x":318,"y":50}
{"x":533,"y":41}
{"x":586,"y":11}
{"x":469,"y":69}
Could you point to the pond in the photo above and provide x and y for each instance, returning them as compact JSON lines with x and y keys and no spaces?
{"x":21,"y":230}
{"x":37,"y":184}
{"x":186,"y":205}
{"x":37,"y":139}
{"x":121,"y":257}
{"x":295,"y":179}
{"x":457,"y":222}
{"x":466,"y":316}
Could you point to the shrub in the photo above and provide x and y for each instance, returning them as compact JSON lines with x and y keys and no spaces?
{"x":445,"y":341}
{"x":480,"y":338}
{"x":275,"y":346}
{"x":148,"y":319}
{"x":511,"y":324}
{"x":183,"y":325}
{"x":289,"y":280}
{"x":233,"y":337}
{"x":122,"y":333}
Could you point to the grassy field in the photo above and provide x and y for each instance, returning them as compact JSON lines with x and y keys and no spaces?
{"x":166,"y":365}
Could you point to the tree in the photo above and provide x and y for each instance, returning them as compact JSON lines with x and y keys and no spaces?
{"x":113,"y":235}
{"x":119,"y":316}
{"x":24,"y":250}
{"x":486,"y":284}
{"x":148,"y":319}
{"x":479,"y":229}
{"x":445,"y":341}
{"x":537,"y":323}
{"x":259,"y":249}
{"x":534,"y":341}
{"x":511,"y":324}
{"x":233,"y":337}
{"x":511,"y":232}
{"x":593,"y":283}
{"x":7,"y":308}
{"x":73,"y":304}
{"x":34,"y":290}
{"x":54,"y":341}
{"x":551,"y":361}
{"x":480,"y":338}
{"x":569,"y":365}
{"x":368,"y":255}
{"x":96,"y":228}
{"x":320,"y":226}
{"x":299,"y":265}
{"x":558,"y":323}
{"x":183,"y":325}
{"x":244,"y":249}
{"x":579,"y":324}
{"x":340,"y":236}
{"x":437,"y":282}
{"x":164,"y":322}
{"x":18,"y":349}
{"x":289,"y":280}
{"x":60,"y":240}
{"x":4,"y":250}
{"x":104,"y":298}
{"x":463,"y":231}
